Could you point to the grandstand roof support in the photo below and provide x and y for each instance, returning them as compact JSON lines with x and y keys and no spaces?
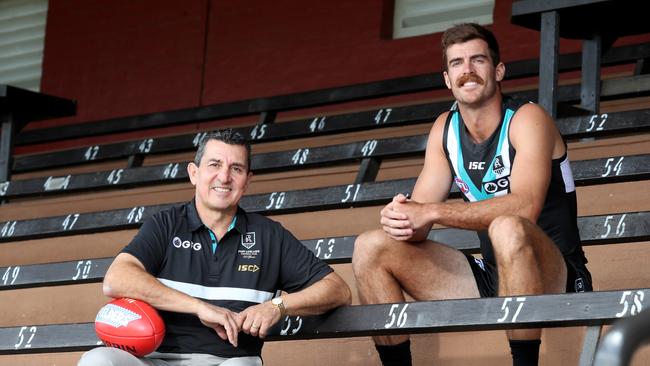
{"x":549,"y":48}
{"x":19,"y":106}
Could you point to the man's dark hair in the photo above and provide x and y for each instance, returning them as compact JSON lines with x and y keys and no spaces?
{"x":461,"y":33}
{"x":228,"y":136}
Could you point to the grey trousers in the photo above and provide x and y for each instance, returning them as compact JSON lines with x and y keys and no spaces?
{"x":107,"y":356}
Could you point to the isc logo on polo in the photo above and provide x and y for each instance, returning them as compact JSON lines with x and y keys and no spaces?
{"x":248,"y":268}
{"x":185,"y":244}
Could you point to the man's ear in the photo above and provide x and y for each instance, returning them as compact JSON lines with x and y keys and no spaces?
{"x":500,"y":71}
{"x":447,"y":81}
{"x":248,"y":180}
{"x":191,"y":172}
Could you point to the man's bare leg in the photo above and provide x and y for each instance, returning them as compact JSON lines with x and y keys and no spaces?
{"x":384,"y":268}
{"x":528,"y":263}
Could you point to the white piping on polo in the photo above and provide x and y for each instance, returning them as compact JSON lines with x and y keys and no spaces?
{"x":219,"y":293}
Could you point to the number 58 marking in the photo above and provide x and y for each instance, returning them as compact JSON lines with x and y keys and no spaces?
{"x":634,"y":306}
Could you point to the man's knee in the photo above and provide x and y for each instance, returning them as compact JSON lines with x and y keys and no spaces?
{"x":510,"y":236}
{"x":106,"y":356}
{"x":243,"y":361}
{"x":96,"y":357}
{"x":368,"y":248}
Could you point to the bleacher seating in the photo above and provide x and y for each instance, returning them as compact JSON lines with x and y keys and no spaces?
{"x":71,"y":337}
{"x":594,"y":230}
{"x":601,"y":171}
{"x":28,"y":338}
{"x":610,"y":169}
{"x":570,"y":127}
{"x":592,"y":308}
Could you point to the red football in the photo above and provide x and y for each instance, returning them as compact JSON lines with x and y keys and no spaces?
{"x":131,"y":325}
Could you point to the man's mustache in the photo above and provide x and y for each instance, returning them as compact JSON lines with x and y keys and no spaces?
{"x":469,"y":77}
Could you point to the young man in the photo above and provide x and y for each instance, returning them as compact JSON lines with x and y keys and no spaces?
{"x":212,"y":270}
{"x":511,"y":165}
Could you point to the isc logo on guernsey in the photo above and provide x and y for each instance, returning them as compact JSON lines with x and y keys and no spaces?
{"x":178,"y":243}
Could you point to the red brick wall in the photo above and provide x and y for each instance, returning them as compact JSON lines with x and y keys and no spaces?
{"x":284,"y":46}
{"x":124,"y":57}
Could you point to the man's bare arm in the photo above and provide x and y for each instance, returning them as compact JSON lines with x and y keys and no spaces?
{"x":127,"y":277}
{"x":432,"y":185}
{"x":328,"y":293}
{"x":535,"y":139}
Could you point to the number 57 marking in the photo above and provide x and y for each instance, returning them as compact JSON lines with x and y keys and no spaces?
{"x":506,"y":309}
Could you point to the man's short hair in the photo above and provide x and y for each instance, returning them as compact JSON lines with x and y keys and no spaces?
{"x":461,"y":33}
{"x":228,"y":136}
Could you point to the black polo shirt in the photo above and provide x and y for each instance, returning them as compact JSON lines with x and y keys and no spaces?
{"x":256,"y":258}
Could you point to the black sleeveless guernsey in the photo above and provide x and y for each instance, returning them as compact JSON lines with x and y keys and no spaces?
{"x":482,"y":171}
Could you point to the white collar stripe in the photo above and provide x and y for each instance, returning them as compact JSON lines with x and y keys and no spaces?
{"x":219,"y":293}
{"x":505,"y":147}
{"x":456,"y":158}
{"x":567,"y":175}
{"x":452,"y":144}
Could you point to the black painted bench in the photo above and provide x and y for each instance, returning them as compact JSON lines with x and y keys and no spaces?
{"x":594,"y":171}
{"x":605,"y":124}
{"x":592,"y":309}
{"x":594,"y":230}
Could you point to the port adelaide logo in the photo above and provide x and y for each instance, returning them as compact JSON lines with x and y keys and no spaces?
{"x":248,"y":241}
{"x":498,"y":166}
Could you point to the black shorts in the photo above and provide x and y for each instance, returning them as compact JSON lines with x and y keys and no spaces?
{"x":487,"y":279}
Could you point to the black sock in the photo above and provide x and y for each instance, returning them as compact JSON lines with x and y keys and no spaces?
{"x":395,"y":355}
{"x":525,"y":353}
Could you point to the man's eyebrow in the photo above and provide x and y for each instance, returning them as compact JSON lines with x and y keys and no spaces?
{"x":235,"y":164}
{"x":472,"y":57}
{"x":241,"y":165}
